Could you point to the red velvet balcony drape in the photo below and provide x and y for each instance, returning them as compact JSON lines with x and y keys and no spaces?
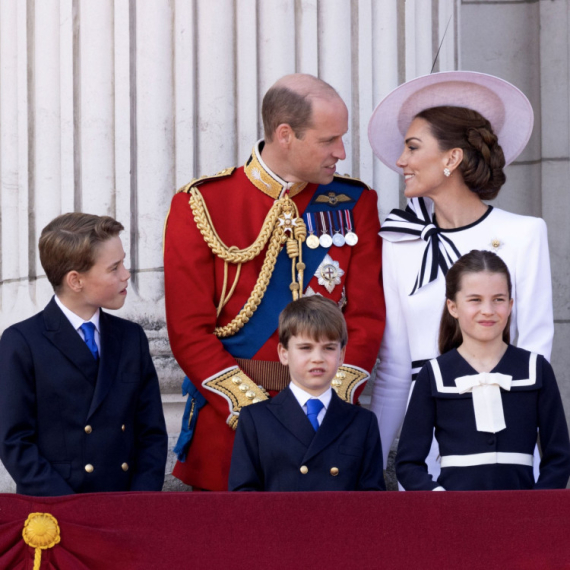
{"x":107,"y":531}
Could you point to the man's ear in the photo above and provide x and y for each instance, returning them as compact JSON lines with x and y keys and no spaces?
{"x":284,"y":135}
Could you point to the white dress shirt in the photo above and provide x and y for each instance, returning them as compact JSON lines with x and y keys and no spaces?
{"x":76,"y":321}
{"x":302,"y":397}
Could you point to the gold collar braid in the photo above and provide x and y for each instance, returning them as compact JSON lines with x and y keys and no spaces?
{"x":268,"y":182}
{"x":282,"y":218}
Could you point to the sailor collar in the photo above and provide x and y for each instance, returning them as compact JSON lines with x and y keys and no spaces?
{"x":266,"y":180}
{"x":449,"y":386}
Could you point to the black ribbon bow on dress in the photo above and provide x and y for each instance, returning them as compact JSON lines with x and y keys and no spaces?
{"x":416,"y":222}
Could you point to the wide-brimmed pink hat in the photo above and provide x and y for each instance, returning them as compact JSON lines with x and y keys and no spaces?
{"x":505,"y":106}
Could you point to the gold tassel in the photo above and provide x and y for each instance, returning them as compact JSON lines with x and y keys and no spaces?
{"x":41,"y":532}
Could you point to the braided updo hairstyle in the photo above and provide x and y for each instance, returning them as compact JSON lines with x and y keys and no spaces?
{"x":483,"y":158}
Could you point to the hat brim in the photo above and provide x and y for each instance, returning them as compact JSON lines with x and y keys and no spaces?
{"x":505,"y":106}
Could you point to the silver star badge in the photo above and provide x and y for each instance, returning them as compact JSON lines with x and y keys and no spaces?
{"x":329,"y":273}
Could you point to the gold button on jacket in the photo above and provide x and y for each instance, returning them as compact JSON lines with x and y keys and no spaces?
{"x":125,"y":466}
{"x":88,"y":429}
{"x":123,"y":427}
{"x":89,"y":468}
{"x":304,"y":469}
{"x":334,"y":471}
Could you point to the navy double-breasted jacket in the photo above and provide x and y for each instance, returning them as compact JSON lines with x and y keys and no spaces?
{"x":277,"y":449}
{"x":70,"y":424}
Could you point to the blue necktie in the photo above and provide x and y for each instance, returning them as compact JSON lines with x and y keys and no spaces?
{"x":89,"y":333}
{"x":314,"y":406}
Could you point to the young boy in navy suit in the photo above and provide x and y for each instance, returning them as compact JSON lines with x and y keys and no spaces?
{"x":307,"y":438}
{"x":80,"y":407}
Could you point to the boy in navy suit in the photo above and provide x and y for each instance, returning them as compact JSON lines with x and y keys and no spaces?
{"x":80,"y":407}
{"x":307,"y":438}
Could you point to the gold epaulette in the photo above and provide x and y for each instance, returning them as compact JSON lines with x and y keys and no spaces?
{"x":197,"y":181}
{"x":352,"y":180}
{"x":347,"y":379}
{"x":186,"y":189}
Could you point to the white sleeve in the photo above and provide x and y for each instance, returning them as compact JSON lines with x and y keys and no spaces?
{"x":535,"y":321}
{"x":394,"y":373}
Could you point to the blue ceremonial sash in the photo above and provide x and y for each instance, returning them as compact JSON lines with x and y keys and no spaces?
{"x":250,"y":338}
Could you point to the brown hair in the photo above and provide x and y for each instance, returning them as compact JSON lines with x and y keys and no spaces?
{"x":289,"y":102}
{"x":70,"y":242}
{"x":473,"y":262}
{"x":315,"y":316}
{"x":483,"y":158}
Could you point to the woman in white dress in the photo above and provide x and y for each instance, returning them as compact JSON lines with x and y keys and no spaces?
{"x":450,"y":134}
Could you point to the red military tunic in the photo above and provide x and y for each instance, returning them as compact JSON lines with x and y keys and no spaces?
{"x":238,"y":201}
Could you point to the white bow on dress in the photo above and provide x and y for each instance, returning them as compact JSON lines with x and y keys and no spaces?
{"x":487,"y":402}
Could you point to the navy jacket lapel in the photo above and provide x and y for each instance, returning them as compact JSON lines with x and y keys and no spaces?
{"x":60,"y":332}
{"x":287,"y":410}
{"x":339,"y":415}
{"x":111,"y":342}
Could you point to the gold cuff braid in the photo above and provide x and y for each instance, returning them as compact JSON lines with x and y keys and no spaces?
{"x":238,"y":389}
{"x":347,"y":379}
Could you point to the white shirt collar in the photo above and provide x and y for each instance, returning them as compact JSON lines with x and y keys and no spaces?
{"x":302,"y":396}
{"x":75,"y":320}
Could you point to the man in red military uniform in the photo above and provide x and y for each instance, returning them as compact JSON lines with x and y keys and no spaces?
{"x":242,"y":244}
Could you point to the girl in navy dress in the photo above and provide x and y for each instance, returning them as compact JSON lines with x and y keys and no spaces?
{"x":484,"y":397}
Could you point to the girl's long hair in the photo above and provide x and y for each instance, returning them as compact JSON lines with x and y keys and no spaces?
{"x":473,"y":262}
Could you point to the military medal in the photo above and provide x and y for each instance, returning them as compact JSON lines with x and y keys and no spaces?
{"x":338,"y":238}
{"x":329,"y":273}
{"x":325,"y":239}
{"x":312,"y":240}
{"x":287,"y":222}
{"x":350,"y":237}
